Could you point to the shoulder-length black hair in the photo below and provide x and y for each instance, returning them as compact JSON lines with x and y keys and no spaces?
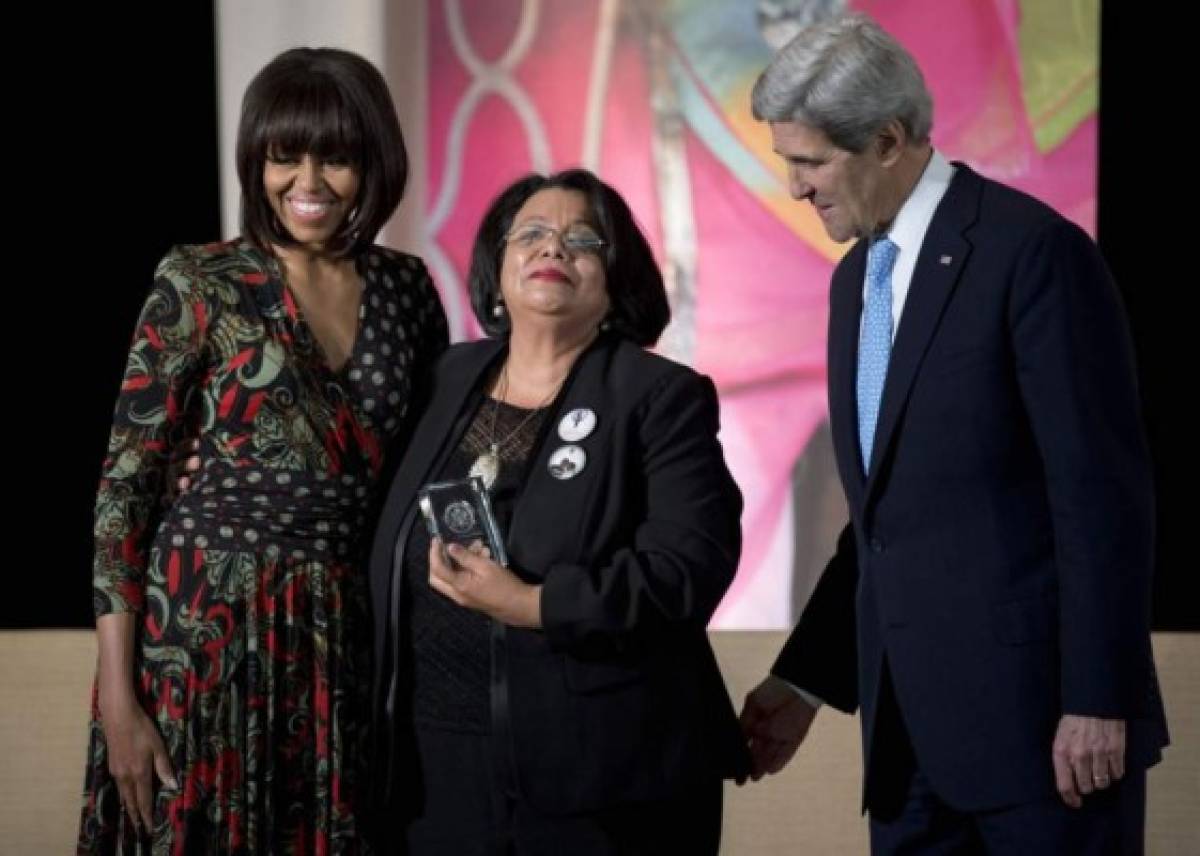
{"x":640,"y":310}
{"x":332,"y":104}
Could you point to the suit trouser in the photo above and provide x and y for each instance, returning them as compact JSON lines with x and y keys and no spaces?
{"x":908,"y":817}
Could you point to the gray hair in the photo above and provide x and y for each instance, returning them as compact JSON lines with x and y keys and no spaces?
{"x":847,"y":78}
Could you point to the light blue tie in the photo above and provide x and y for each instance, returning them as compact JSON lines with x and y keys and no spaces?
{"x":875,"y":342}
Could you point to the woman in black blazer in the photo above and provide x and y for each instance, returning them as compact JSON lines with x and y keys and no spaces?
{"x":569,"y":702}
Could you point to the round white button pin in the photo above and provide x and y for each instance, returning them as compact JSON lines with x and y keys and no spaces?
{"x":566,"y":462}
{"x":577,"y":424}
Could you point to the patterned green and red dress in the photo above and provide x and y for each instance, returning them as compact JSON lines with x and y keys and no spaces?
{"x":252,"y":654}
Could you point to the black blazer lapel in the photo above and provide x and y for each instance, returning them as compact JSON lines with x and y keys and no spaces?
{"x":428,"y":441}
{"x":545,"y":499}
{"x":845,"y":310}
{"x":441,"y":425}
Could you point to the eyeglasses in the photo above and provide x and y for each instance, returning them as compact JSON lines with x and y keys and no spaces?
{"x":576,"y":240}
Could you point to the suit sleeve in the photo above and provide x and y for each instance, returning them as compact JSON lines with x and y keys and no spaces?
{"x":1075,"y":369}
{"x":821,"y":654}
{"x":684,"y":551}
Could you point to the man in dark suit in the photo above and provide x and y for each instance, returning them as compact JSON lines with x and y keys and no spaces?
{"x":987,"y":607}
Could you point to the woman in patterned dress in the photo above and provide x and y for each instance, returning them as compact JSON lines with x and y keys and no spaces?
{"x":232,"y":691}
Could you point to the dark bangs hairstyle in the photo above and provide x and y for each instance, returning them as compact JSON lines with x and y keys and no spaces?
{"x":332,"y":104}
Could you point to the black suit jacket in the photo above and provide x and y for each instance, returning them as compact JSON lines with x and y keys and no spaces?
{"x":999,"y":554}
{"x":619,"y":698}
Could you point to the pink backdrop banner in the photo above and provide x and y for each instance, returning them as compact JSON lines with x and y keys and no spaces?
{"x":528,"y":86}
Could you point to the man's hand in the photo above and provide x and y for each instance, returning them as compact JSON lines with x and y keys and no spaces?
{"x":775,"y":720}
